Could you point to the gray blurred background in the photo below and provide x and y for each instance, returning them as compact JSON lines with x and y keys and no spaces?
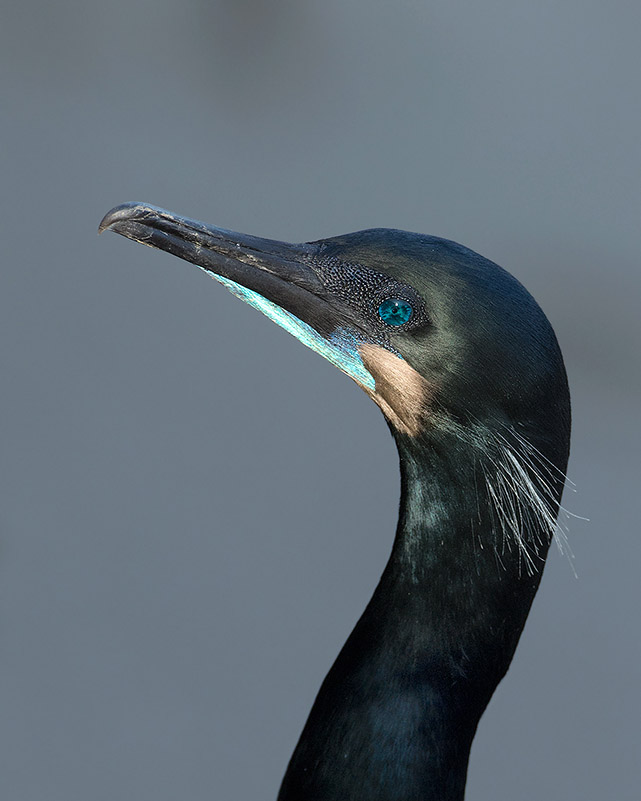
{"x":195,"y":508}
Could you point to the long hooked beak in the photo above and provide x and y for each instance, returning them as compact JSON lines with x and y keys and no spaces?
{"x":275,"y":277}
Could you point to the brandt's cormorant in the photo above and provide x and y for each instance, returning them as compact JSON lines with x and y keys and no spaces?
{"x":467,"y":371}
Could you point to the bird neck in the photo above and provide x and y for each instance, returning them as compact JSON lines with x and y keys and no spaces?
{"x":395,"y":718}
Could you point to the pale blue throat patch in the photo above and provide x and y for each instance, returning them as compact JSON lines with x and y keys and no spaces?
{"x":341,"y":349}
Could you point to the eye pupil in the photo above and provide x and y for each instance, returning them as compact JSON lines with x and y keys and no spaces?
{"x":395,"y":311}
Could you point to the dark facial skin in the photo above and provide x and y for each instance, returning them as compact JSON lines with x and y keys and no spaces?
{"x":484,"y":342}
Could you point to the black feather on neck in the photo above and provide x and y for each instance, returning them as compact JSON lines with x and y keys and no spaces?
{"x":395,"y":718}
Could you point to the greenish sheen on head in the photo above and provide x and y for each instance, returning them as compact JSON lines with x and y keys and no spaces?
{"x":341,"y":349}
{"x":434,"y":333}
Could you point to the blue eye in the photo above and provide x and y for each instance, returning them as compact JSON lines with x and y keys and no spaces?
{"x":395,"y":311}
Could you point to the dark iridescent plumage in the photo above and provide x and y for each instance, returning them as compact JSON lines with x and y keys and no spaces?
{"x":472,"y":383}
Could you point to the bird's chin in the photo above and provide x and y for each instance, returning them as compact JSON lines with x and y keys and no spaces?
{"x":340,"y":349}
{"x":399,"y":390}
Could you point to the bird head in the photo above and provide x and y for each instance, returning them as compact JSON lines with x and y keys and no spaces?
{"x":438,"y":336}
